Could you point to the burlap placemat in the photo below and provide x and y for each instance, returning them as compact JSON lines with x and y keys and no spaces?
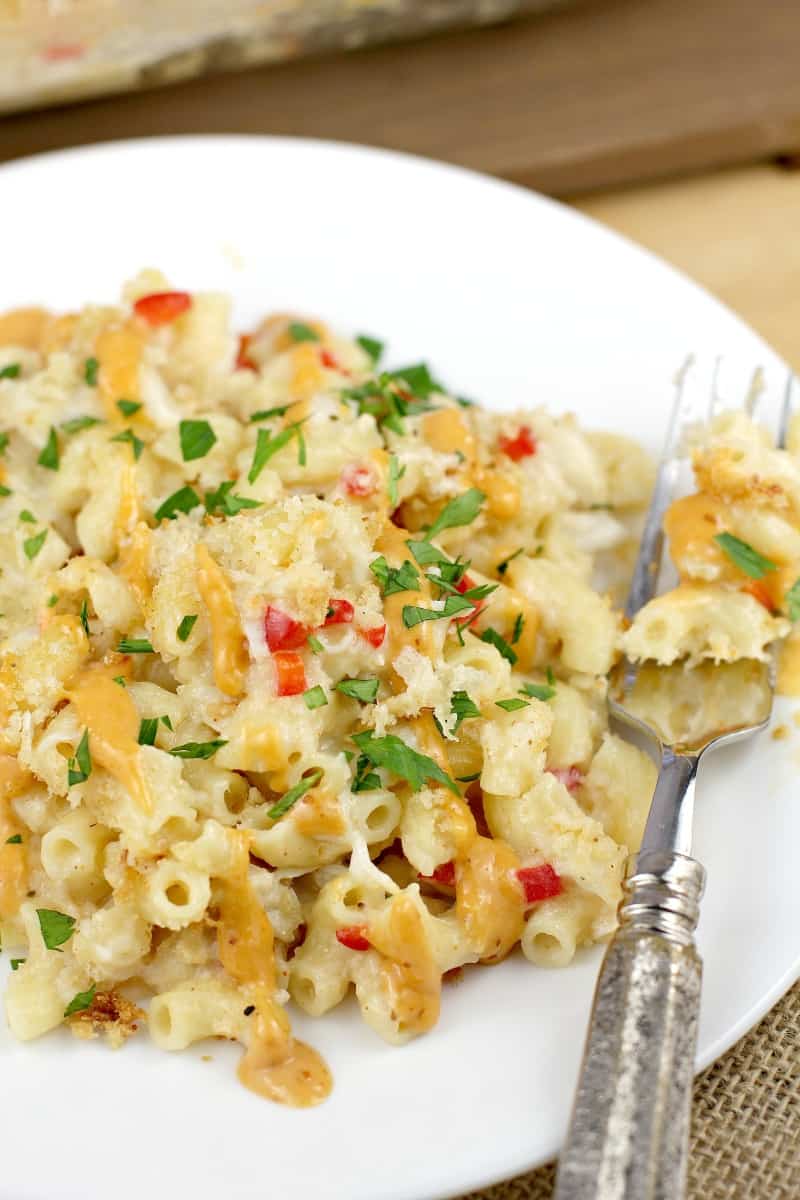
{"x":746,"y":1121}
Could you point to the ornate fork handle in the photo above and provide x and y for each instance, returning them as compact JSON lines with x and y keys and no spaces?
{"x":628,"y":1139}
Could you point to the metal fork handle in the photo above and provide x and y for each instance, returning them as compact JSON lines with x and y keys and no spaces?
{"x":628,"y":1137}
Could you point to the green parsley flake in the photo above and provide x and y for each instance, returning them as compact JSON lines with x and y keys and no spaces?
{"x":365,"y":690}
{"x":315,"y":644}
{"x":76,"y":424}
{"x":413,"y":614}
{"x":49,"y":456}
{"x":80,"y":1002}
{"x":426,"y":554}
{"x":519,"y":625}
{"x":494,"y":639}
{"x":793,"y":601}
{"x":56,"y":927}
{"x":199,"y":749}
{"x":53,"y":601}
{"x":90,"y":369}
{"x":468,"y":778}
{"x":502,"y":567}
{"x":417,"y":379}
{"x":186,"y":626}
{"x":301,"y":448}
{"x":291,"y":797}
{"x":463,"y":706}
{"x":315,"y":697}
{"x":300,"y":332}
{"x":266,"y":446}
{"x":5,"y":491}
{"x":222,"y":503}
{"x":364,"y":780}
{"x":33,"y":545}
{"x":539,"y":691}
{"x":461,"y":511}
{"x":135,"y":646}
{"x":184,"y":500}
{"x":128,"y":407}
{"x":147,"y":731}
{"x":370,"y":346}
{"x":136,"y":444}
{"x":744,"y":556}
{"x":3,"y":442}
{"x":511,"y":705}
{"x":27,"y":515}
{"x":264,"y":414}
{"x":197,"y":438}
{"x":16,"y":840}
{"x":85,"y":617}
{"x":11,"y":371}
{"x":394,"y":755}
{"x":120,"y":679}
{"x":395,"y":579}
{"x":396,"y":473}
{"x":79,"y":768}
{"x":16,"y":963}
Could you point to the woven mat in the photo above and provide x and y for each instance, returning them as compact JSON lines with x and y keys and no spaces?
{"x":746,"y":1121}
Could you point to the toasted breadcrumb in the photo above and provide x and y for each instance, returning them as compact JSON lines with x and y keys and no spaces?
{"x":109,"y":1014}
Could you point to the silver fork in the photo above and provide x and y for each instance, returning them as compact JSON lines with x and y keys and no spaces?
{"x":629,"y":1132}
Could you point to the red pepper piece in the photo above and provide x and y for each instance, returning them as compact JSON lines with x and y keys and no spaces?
{"x":243,"y":360}
{"x":540,"y":883}
{"x":282,"y":631}
{"x":445,"y":873}
{"x":374,"y":636}
{"x":354,"y":937}
{"x":291,"y":672}
{"x":328,"y":359}
{"x":522,"y":445}
{"x":340,"y":612}
{"x":571,"y":777}
{"x":159,"y":308}
{"x":358,"y":481}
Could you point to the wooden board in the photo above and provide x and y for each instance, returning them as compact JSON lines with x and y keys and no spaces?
{"x":608,"y":92}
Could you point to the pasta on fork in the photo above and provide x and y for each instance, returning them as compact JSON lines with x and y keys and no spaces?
{"x":303,"y":675}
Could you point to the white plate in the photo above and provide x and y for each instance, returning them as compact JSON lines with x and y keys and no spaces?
{"x":515,"y":300}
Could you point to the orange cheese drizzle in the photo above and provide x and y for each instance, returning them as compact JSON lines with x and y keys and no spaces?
{"x":14,"y":780}
{"x":230,"y":653}
{"x":109,"y":714}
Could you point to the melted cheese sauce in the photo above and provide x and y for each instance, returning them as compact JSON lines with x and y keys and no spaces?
{"x":392,"y":544}
{"x":118,"y":349}
{"x":446,"y":431}
{"x":129,"y":513}
{"x":319,"y":815}
{"x":408,"y":969}
{"x":24,"y":327}
{"x":306,"y":377}
{"x":691,"y":524}
{"x":14,"y":780}
{"x":275,"y":1064}
{"x":789,"y":666}
{"x":230,"y":653}
{"x":135,"y":565}
{"x":108,"y":712}
{"x":525,"y":645}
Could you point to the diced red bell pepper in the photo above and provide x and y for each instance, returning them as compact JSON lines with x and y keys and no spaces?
{"x":282,"y":631}
{"x":340,"y":612}
{"x":290,"y":671}
{"x":464,"y":585}
{"x":760,"y":592}
{"x":328,"y":359}
{"x":159,"y":308}
{"x":358,"y":481}
{"x":539,"y":883}
{"x":445,"y":873}
{"x":63,"y":51}
{"x":522,"y":445}
{"x":571,"y":777}
{"x":243,"y":360}
{"x":374,"y":636}
{"x":354,"y":937}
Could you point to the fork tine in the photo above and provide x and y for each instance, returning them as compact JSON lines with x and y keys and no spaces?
{"x":786,"y":411}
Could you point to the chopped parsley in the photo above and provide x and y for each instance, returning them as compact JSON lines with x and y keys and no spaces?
{"x":85,"y":617}
{"x":266,"y":446}
{"x":494,"y":639}
{"x":76,"y":424}
{"x":80,"y":1002}
{"x":148,"y":728}
{"x":539,"y":691}
{"x":413,"y":614}
{"x":16,"y":963}
{"x":33,"y":545}
{"x":315,"y":697}
{"x":56,"y":927}
{"x":135,"y":646}
{"x":49,"y":457}
{"x":300,"y":332}
{"x":186,"y":626}
{"x":364,"y":780}
{"x":137,"y":445}
{"x":90,"y":369}
{"x":512,"y":705}
{"x":502,"y":567}
{"x":370,"y":346}
{"x":365,"y":690}
{"x":426,"y":554}
{"x":5,"y":491}
{"x":315,"y":644}
{"x":79,"y":768}
{"x":128,"y":407}
{"x":463,"y":706}
{"x":11,"y":371}
{"x":418,"y":379}
{"x":27,"y":515}
{"x":744,"y":556}
{"x":396,"y":473}
{"x":394,"y":579}
{"x":222,"y":503}
{"x":16,"y":840}
{"x":461,"y":511}
{"x":301,"y":448}
{"x":184,"y":500}
{"x":53,"y":601}
{"x":197,"y":438}
{"x":468,"y":778}
{"x":3,"y":442}
{"x":120,"y":679}
{"x":290,"y":798}
{"x":264,"y":414}
{"x":394,"y":755}
{"x":519,"y":625}
{"x":199,"y":749}
{"x":793,"y":601}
